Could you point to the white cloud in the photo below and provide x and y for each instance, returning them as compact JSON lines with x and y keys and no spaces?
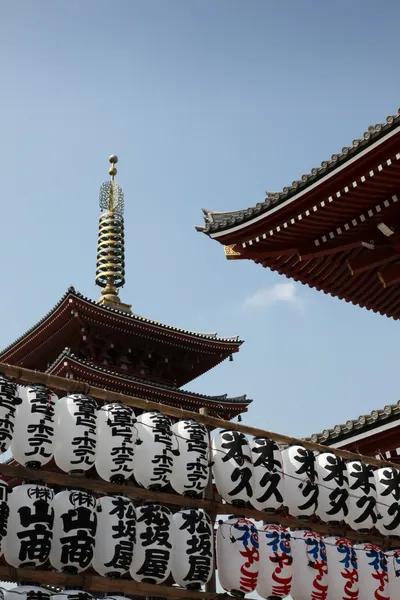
{"x":275,"y":294}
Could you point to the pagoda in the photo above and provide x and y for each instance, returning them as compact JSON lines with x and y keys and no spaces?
{"x":336,"y":229}
{"x":107,"y":345}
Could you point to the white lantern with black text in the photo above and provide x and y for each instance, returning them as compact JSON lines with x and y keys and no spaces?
{"x":238,"y":557}
{"x":191,"y":466}
{"x":300,"y":485}
{"x":310,"y":568}
{"x":153,"y":552}
{"x":333,"y":494}
{"x":116,"y":437}
{"x":393,"y":567}
{"x":115,"y":536}
{"x":193,"y":543}
{"x":372,"y":572}
{"x":362,"y":496}
{"x":342,"y":569}
{"x":387,"y":481}
{"x":69,"y":594}
{"x":268,"y":475}
{"x":32,"y":445}
{"x":4,"y":512}
{"x":275,"y":574}
{"x":75,"y":433}
{"x":232,"y":467}
{"x":27,"y":592}
{"x":9,"y":400}
{"x":154,"y":450}
{"x":30,"y":522}
{"x":75,"y":524}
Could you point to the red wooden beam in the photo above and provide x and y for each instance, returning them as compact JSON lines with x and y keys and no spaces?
{"x":390,"y":275}
{"x":374,"y":258}
{"x":320,"y":251}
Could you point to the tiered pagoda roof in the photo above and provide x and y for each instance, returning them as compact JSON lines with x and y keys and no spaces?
{"x":105,"y":344}
{"x":336,"y":229}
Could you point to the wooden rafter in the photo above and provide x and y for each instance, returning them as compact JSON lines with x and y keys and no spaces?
{"x":390,"y":275}
{"x":374,"y":258}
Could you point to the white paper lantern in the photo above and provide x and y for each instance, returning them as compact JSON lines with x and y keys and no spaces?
{"x":154,"y":450}
{"x":153,"y":551}
{"x":193,"y":543}
{"x":30,"y":522}
{"x":372,"y":573}
{"x":74,"y":531}
{"x":300,"y":484}
{"x":75,"y":433}
{"x":362,"y":496}
{"x":333,"y":489}
{"x":387,"y":481}
{"x":393,"y":567}
{"x":9,"y":400}
{"x":268,"y":475}
{"x":191,"y":466}
{"x":115,"y":536}
{"x":310,"y":568}
{"x":275,"y":574}
{"x":27,"y":592}
{"x":68,"y":594}
{"x":116,"y":437}
{"x":238,"y":557}
{"x":232,"y":467}
{"x":4,"y":512}
{"x":342,"y":569}
{"x":32,"y":444}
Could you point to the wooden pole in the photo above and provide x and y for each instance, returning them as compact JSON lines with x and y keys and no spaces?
{"x":95,"y":583}
{"x":72,"y":385}
{"x":209,"y":496}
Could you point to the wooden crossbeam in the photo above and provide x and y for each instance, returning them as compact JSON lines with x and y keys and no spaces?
{"x":306,"y":253}
{"x":390,"y":275}
{"x":75,"y":386}
{"x":374,"y":258}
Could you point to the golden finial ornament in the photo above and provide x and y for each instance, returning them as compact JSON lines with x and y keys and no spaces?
{"x":110,"y":268}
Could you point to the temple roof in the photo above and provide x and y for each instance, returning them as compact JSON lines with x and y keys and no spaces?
{"x":74,"y":313}
{"x":216,"y":222}
{"x":364,"y":424}
{"x":68,"y":365}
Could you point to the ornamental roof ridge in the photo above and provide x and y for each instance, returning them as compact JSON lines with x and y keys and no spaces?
{"x":355,"y":425}
{"x":219,"y":221}
{"x":71,"y":291}
{"x":223,"y":398}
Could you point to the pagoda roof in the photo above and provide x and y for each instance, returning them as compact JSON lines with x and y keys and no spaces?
{"x":68,"y":365}
{"x":217,"y":222}
{"x":36,"y":347}
{"x":336,"y":230}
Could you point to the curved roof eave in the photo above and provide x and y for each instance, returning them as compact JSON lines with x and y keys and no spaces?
{"x":218,"y":224}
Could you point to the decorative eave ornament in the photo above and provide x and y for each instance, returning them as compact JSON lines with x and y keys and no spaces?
{"x":231,"y":252}
{"x":110,"y":268}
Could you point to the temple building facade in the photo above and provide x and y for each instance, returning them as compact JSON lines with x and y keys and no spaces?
{"x":107,"y":345}
{"x":337,"y":229}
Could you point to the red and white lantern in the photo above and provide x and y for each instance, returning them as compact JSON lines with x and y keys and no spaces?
{"x":342,"y":569}
{"x":275,"y":574}
{"x":238,"y":557}
{"x":372,"y":573}
{"x":310,"y":568}
{"x":393,"y":567}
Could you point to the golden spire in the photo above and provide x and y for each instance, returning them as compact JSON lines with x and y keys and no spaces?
{"x":110,"y":268}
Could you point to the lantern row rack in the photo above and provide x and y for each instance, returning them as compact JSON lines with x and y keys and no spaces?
{"x":211,"y":503}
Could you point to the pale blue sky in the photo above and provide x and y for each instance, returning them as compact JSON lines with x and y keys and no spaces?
{"x":207,"y":103}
